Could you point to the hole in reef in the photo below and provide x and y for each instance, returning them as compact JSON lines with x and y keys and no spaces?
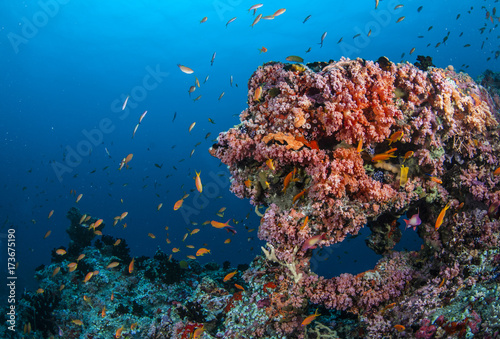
{"x":353,"y":256}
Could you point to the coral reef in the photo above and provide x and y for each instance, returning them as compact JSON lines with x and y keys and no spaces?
{"x":326,"y":149}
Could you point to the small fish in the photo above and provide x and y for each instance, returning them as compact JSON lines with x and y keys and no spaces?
{"x":88,"y":276}
{"x":307,"y":18}
{"x":175,"y":250}
{"x":257,"y":95}
{"x":270,"y":164}
{"x":80,"y":257}
{"x":56,"y":270}
{"x":206,"y":78}
{"x":412,"y":50}
{"x":197,"y":98}
{"x":125,"y":103}
{"x":191,"y":127}
{"x":142,"y":116}
{"x":113,"y":264}
{"x":308,"y":50}
{"x":50,"y":214}
{"x":376,"y":3}
{"x":221,"y":95}
{"x":79,"y":197}
{"x":414,"y":221}
{"x":185,"y":69}
{"x":408,"y":155}
{"x":131,"y":266}
{"x":398,"y":6}
{"x":210,"y":120}
{"x":257,"y":19}
{"x":203,"y":20}
{"x":202,"y":251}
{"x":439,"y":220}
{"x":231,"y":81}
{"x":47,"y":234}
{"x":229,"y":276}
{"x":400,"y":19}
{"x":178,"y":204}
{"x":467,"y":45}
{"x":211,"y":61}
{"x":310,"y":318}
{"x":159,"y":206}
{"x":382,"y":157}
{"x":230,"y":20}
{"x":61,"y":251}
{"x":198,"y":332}
{"x":279,"y":12}
{"x":175,"y":114}
{"x":322,"y":39}
{"x":254,"y":7}
{"x":420,"y":8}
{"x":199,"y":186}
{"x":151,"y":235}
{"x":312,"y":242}
{"x":294,"y":58}
{"x":399,"y":328}
{"x":77,"y":322}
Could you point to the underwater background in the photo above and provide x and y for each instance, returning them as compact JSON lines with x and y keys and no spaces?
{"x":69,"y":66}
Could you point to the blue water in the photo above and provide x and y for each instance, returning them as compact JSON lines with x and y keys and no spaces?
{"x":67,"y":67}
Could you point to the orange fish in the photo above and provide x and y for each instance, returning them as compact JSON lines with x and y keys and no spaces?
{"x":118,"y":333}
{"x":189,"y":246}
{"x":196,"y":230}
{"x":98,"y":223}
{"x":178,"y":204}
{"x":61,"y":251}
{"x":79,"y":197}
{"x":400,"y":328}
{"x":262,"y":50}
{"x":202,"y":251}
{"x":408,"y":155}
{"x":218,"y":224}
{"x":279,"y":12}
{"x":298,"y":196}
{"x":497,"y":171}
{"x":360,"y":146}
{"x":270,"y":164}
{"x":440,"y":218}
{"x":117,"y":242}
{"x":197,"y":181}
{"x":310,"y":318}
{"x":133,"y":326}
{"x":72,"y":264}
{"x":40,"y":291}
{"x":80,"y":257}
{"x":47,"y":234}
{"x":227,"y":241}
{"x":151,"y":235}
{"x":198,"y":332}
{"x":123,"y":215}
{"x":305,"y":222}
{"x":191,"y":257}
{"x":113,"y":264}
{"x":203,"y":20}
{"x":382,"y":157}
{"x":159,"y":206}
{"x":77,"y":322}
{"x":239,"y":287}
{"x":257,"y":19}
{"x":103,"y":312}
{"x":229,"y":276}
{"x":61,"y":287}
{"x":50,"y":214}
{"x":175,"y":250}
{"x":88,"y":276}
{"x":56,"y":270}
{"x":131,"y":266}
{"x":396,"y":136}
{"x":97,"y":232}
{"x":257,"y":95}
{"x":82,"y":218}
